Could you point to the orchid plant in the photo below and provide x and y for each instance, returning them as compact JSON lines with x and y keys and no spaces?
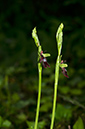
{"x":59,"y":63}
{"x":42,"y":61}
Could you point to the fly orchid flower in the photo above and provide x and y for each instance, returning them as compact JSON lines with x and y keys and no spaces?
{"x":43,"y":60}
{"x":64,"y":71}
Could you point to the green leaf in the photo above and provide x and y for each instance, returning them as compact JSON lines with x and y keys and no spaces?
{"x":22,"y":104}
{"x":6,"y":123}
{"x":45,"y":107}
{"x":40,"y":124}
{"x":76,"y":91}
{"x":62,"y":113}
{"x":30,"y":124}
{"x":34,"y":35}
{"x":79,"y":124}
{"x":21,"y":117}
{"x":10,"y":70}
{"x":64,"y":89}
{"x":15,"y":97}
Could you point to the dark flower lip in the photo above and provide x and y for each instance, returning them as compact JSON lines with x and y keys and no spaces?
{"x":43,"y":60}
{"x":64,"y":71}
{"x":45,"y":64}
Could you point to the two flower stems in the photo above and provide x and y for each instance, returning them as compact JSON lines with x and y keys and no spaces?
{"x":59,"y":35}
{"x":55,"y":93}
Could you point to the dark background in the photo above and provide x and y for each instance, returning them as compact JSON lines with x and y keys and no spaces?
{"x":18,"y":60}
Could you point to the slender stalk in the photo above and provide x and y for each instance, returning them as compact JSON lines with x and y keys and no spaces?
{"x":59,"y":35}
{"x":39,"y":95}
{"x":55,"y":92}
{"x":35,"y":37}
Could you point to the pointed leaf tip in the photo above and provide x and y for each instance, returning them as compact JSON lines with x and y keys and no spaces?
{"x":34,"y":31}
{"x":35,"y":37}
{"x":62,"y":25}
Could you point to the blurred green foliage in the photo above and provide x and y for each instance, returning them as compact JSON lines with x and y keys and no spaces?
{"x":79,"y":124}
{"x":18,"y":62}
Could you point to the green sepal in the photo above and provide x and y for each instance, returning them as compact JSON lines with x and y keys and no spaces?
{"x":63,"y":65}
{"x":46,"y":54}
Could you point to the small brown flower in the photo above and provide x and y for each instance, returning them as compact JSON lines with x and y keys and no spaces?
{"x":64,"y":71}
{"x":43,"y":60}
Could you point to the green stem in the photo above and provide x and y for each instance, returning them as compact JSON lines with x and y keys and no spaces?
{"x":39,"y":95}
{"x":55,"y":92}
